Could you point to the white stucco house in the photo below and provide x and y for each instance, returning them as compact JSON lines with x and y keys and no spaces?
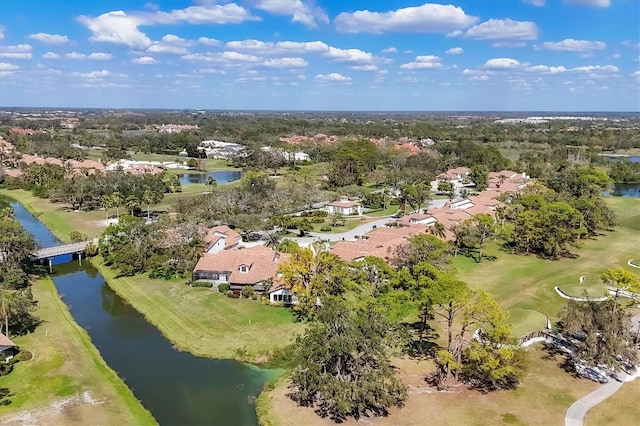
{"x":345,"y":207}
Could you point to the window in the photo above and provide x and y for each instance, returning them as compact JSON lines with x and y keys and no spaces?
{"x":244,"y":268}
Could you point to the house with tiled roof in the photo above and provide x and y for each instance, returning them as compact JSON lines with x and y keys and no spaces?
{"x":221,"y":238}
{"x":414,"y":219}
{"x":240,"y":267}
{"x":345,"y":207}
{"x":6,"y":344}
{"x":381,"y":242}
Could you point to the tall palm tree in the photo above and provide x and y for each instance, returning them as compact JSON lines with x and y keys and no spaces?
{"x":438,"y":229}
{"x":148,"y":197}
{"x":8,"y":305}
{"x":132,"y":203}
{"x":106,"y":203}
{"x":116,"y":199}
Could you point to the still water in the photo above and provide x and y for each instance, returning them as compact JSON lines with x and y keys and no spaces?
{"x":177,"y":387}
{"x":626,"y":190}
{"x":221,"y":176}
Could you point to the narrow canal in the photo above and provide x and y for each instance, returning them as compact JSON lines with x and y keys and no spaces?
{"x":177,"y":387}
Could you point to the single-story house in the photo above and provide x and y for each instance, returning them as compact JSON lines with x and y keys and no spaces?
{"x":240,"y":267}
{"x":344,"y":207}
{"x":417,"y":219}
{"x":221,"y":238}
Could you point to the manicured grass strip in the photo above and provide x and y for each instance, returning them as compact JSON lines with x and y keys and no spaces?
{"x":66,"y":363}
{"x":203,"y":321}
{"x":525,"y":321}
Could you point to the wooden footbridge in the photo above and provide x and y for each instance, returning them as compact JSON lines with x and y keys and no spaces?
{"x":48,"y":253}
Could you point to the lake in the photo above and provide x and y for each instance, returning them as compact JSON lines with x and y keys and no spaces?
{"x":221,"y":176}
{"x":626,"y":190}
{"x":177,"y":387}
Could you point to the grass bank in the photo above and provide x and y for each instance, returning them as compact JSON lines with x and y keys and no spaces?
{"x":66,"y":371}
{"x":205,"y":322}
{"x":518,"y":281}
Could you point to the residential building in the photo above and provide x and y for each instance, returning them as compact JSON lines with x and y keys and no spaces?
{"x":221,"y":238}
{"x":345,"y":207}
{"x":240,"y":267}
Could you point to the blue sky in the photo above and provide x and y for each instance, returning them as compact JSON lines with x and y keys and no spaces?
{"x":523,"y":55}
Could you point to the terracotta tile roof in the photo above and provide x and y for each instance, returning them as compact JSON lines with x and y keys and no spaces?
{"x":261,"y":261}
{"x":13,"y":172}
{"x":4,"y":341}
{"x":380,"y":242}
{"x":345,"y":204}
{"x":232,"y":238}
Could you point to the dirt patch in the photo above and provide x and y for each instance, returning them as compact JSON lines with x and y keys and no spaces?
{"x":73,"y":410}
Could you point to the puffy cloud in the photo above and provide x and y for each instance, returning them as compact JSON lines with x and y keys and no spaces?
{"x":8,"y":67}
{"x":334,"y":76}
{"x":636,"y":74}
{"x":171,"y":44}
{"x":300,"y":11}
{"x":239,"y":57}
{"x":538,"y":3}
{"x":428,"y":18}
{"x":144,"y":60}
{"x":51,"y":55}
{"x":348,"y":55}
{"x":424,"y":62}
{"x":100,"y":56}
{"x":455,"y":51}
{"x":209,"y":41}
{"x":571,"y":45}
{"x":93,"y":75}
{"x":545,"y":69}
{"x":504,"y":29}
{"x":75,"y":56}
{"x":502,"y":63}
{"x":49,"y":38}
{"x":118,"y":28}
{"x":390,"y":50}
{"x":250,"y":44}
{"x":285,"y":63}
{"x":20,"y":51}
{"x":589,"y":3}
{"x":229,"y":13}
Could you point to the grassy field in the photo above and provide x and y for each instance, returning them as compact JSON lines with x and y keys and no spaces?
{"x":205,"y":322}
{"x":66,"y":372}
{"x":542,"y":399}
{"x":617,"y":409}
{"x":525,"y":321}
{"x":517,"y":281}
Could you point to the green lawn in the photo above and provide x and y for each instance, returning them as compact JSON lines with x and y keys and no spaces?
{"x":205,"y":322}
{"x":65,"y":364}
{"x":389,"y":211}
{"x":518,"y":281}
{"x":591,"y":284}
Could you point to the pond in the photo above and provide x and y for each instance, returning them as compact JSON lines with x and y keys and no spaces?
{"x":177,"y":387}
{"x":626,"y":190}
{"x":221,"y":176}
{"x":619,"y":158}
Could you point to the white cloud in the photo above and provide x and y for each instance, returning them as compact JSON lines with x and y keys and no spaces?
{"x":118,"y":28}
{"x":285,"y":63}
{"x":538,"y":3}
{"x":348,"y":55}
{"x":20,"y":51}
{"x":239,"y":57}
{"x":1,"y":33}
{"x":615,"y":56}
{"x":423,"y":62}
{"x":589,"y":3}
{"x":627,"y":43}
{"x":51,"y":55}
{"x":334,"y":76}
{"x":428,"y":18}
{"x":390,"y":50}
{"x":504,"y":29}
{"x":144,"y":60}
{"x":209,"y":41}
{"x":212,"y":71}
{"x":482,"y":77}
{"x":455,"y":51}
{"x":544,"y":69}
{"x":99,"y":56}
{"x":364,"y":67}
{"x":300,"y":11}
{"x":92,"y":75}
{"x":49,"y":38}
{"x":229,"y":13}
{"x":171,"y":44}
{"x":636,"y":74}
{"x":8,"y":67}
{"x":571,"y":45}
{"x":502,"y":63}
{"x":596,"y":68}
{"x":75,"y":56}
{"x":250,"y":44}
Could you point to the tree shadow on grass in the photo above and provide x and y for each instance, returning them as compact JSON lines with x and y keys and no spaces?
{"x":5,"y":394}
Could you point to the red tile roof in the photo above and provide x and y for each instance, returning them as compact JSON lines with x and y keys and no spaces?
{"x":4,"y":341}
{"x":232,"y":238}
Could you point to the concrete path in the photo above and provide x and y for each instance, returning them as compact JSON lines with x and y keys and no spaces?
{"x":577,"y":411}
